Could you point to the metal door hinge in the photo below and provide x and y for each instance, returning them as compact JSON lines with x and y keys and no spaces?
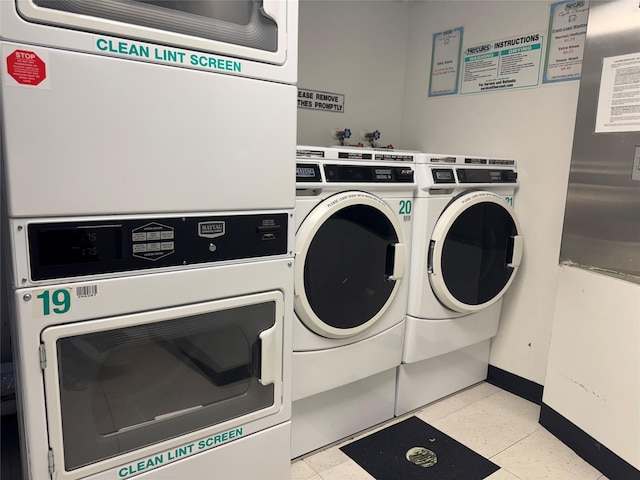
{"x":51,"y":464}
{"x":43,"y":357}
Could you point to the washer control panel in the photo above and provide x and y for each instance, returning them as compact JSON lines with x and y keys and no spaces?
{"x":486,"y":175}
{"x":473,"y":175}
{"x":368,"y":174}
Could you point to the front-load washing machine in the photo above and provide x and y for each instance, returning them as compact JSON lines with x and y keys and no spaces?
{"x":467,"y":247}
{"x":353,"y":234}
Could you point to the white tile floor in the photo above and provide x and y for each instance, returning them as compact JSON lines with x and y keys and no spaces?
{"x":501,"y":426}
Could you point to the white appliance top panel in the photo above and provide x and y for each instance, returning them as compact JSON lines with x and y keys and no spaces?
{"x":469,"y":160}
{"x":355,"y":153}
{"x":337,"y":175}
{"x":111,"y":136}
{"x":463,"y":173}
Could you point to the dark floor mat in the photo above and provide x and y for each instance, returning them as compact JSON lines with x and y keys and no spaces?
{"x":413,"y":449}
{"x":10,"y":449}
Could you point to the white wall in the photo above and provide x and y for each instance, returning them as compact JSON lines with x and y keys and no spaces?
{"x":533,"y":126}
{"x":356,"y":48}
{"x":593,"y":378}
{"x":362,"y":49}
{"x":378,"y":54}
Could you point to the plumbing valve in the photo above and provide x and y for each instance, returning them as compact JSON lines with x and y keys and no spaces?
{"x":372,"y":137}
{"x":342,"y":135}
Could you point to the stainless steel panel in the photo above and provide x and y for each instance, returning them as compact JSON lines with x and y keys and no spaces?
{"x":602,"y":216}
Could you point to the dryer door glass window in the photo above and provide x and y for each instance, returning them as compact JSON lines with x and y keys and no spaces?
{"x":476,"y":253}
{"x":126,"y":388}
{"x":238,"y":22}
{"x":348,"y":264}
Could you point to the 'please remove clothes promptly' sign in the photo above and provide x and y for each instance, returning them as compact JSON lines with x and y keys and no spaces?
{"x":315,"y":100}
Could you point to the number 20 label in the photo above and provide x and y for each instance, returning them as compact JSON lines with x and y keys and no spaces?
{"x":53,"y":302}
{"x":405,"y":207}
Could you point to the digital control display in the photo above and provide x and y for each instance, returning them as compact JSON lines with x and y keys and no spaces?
{"x":476,"y":161}
{"x":486,"y":175}
{"x":384,"y":174}
{"x":305,"y":172}
{"x":76,"y":245}
{"x":443,"y":175}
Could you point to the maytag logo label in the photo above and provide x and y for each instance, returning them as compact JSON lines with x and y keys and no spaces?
{"x":211,"y":229}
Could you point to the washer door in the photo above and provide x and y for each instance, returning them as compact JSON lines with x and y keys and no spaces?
{"x":350,"y":257}
{"x":475,"y":251}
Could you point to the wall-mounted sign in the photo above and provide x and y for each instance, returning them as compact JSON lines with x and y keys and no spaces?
{"x":445,"y":62}
{"x":619,"y":98}
{"x":502,"y":64}
{"x":567,"y":36}
{"x":315,"y":100}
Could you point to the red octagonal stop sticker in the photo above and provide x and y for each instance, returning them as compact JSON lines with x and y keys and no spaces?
{"x":26,"y":67}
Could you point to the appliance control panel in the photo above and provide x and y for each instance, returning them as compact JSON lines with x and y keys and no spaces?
{"x":486,"y":175}
{"x":70,"y":249}
{"x":368,"y":174}
{"x":473,"y":175}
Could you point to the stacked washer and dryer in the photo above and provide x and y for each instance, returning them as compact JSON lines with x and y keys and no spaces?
{"x":353,"y":244}
{"x":150,"y":262}
{"x":467,"y":247}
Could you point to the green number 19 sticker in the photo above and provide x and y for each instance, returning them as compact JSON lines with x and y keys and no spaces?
{"x":55,"y":302}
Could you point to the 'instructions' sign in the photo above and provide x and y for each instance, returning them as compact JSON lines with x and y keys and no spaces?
{"x":315,"y":100}
{"x":503,"y":64}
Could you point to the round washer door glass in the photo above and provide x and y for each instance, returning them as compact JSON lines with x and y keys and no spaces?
{"x":475,"y":251}
{"x":349,"y":260}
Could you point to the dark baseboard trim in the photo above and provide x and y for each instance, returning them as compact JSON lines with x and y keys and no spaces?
{"x":515,"y":384}
{"x":587,"y":447}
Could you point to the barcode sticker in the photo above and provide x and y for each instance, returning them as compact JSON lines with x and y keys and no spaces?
{"x":87,"y":291}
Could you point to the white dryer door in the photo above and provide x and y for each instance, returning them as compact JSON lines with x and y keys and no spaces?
{"x":240,"y":28}
{"x":475,"y":251}
{"x":122,"y":387}
{"x":350,"y":258}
